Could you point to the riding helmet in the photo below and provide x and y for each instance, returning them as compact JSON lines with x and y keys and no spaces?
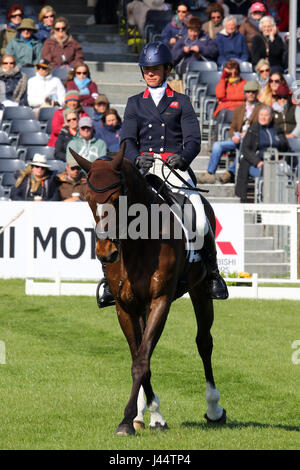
{"x":155,"y":53}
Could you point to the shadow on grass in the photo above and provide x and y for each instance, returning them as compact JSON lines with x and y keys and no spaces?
{"x":237,"y":425}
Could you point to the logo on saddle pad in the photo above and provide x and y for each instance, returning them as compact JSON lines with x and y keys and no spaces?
{"x":174,"y":104}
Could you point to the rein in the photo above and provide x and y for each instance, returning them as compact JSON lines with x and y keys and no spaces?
{"x":189,"y":186}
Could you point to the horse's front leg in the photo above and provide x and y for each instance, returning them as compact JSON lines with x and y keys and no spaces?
{"x":140,"y":370}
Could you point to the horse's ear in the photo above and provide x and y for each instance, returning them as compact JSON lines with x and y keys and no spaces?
{"x":118,"y":158}
{"x":82,"y":162}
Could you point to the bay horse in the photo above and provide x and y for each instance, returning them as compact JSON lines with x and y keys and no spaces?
{"x":145,"y":276}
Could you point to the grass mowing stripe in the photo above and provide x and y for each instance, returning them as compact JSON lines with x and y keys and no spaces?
{"x":67,"y":379}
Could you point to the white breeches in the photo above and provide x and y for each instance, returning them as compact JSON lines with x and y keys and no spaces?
{"x":193,"y":196}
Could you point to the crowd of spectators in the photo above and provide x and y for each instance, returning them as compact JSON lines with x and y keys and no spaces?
{"x":82,"y":118}
{"x":231,"y":32}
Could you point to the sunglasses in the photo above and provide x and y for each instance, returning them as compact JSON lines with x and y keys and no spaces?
{"x":37,"y":166}
{"x":81,"y":73}
{"x":181,"y":11}
{"x":61,"y":29}
{"x":216,"y":17}
{"x":72,"y":119}
{"x":274,"y":81}
{"x":49,"y":16}
{"x":41,"y":67}
{"x":27,"y":29}
{"x":75,"y":168}
{"x":17,"y":15}
{"x":8,"y":63}
{"x":86,"y":128}
{"x":264,"y":70}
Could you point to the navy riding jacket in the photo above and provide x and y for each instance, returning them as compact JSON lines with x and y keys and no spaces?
{"x":170,"y":127}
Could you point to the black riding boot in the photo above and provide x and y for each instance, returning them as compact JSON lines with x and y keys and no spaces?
{"x":216,"y":286}
{"x":107,"y":298}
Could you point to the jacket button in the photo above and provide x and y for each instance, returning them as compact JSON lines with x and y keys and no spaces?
{"x":149,"y":125}
{"x":162,"y":137}
{"x":150,"y":149}
{"x":150,"y":137}
{"x":162,"y":124}
{"x":161,"y":149}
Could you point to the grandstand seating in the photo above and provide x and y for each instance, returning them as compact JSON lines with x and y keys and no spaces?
{"x":9,"y":165}
{"x":33,"y":138}
{"x":193,"y":71}
{"x":9,"y":152}
{"x":155,"y":23}
{"x":28,"y":152}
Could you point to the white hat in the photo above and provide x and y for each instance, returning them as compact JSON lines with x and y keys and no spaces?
{"x":40,"y":160}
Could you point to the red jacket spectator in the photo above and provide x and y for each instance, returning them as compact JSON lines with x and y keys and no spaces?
{"x":230,"y":89}
{"x":72,"y":101}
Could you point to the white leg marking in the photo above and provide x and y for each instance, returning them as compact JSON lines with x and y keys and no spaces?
{"x":155,"y":414}
{"x":141,"y":405}
{"x":214,"y":410}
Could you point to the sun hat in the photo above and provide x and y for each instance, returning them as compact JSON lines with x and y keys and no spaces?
{"x":27,"y":23}
{"x":252,"y":85}
{"x":85,"y":121}
{"x":257,"y":6}
{"x":101,"y":99}
{"x":72,"y":95}
{"x":39,"y":160}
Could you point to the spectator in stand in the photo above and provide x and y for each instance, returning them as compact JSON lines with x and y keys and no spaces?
{"x":137,"y":11}
{"x":61,"y":49}
{"x":72,"y":102}
{"x":215,"y":14}
{"x":230,"y":89}
{"x":231,"y":44}
{"x":194,"y":46}
{"x":176,"y":29}
{"x":269,"y":95}
{"x":243,"y":116}
{"x":86,"y":143}
{"x":250,"y":27}
{"x":36,"y":183}
{"x":44,"y":89}
{"x":286,"y":114}
{"x":14,"y":18}
{"x":100,"y":106}
{"x":46,"y":21}
{"x":263,"y":71}
{"x":24,"y":47}
{"x":79,"y":79}
{"x":66,"y":134}
{"x":15,"y":81}
{"x":260,"y":136}
{"x":279,"y":9}
{"x":72,"y":182}
{"x":269,"y":45}
{"x":110,"y":132}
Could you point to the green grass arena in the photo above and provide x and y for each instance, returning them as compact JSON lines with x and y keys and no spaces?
{"x":65,"y":375}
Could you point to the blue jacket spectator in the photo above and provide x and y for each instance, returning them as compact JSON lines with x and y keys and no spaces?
{"x":110,"y":132}
{"x":177,"y":28}
{"x":196,"y":45}
{"x":231,"y":44}
{"x":46,"y":20}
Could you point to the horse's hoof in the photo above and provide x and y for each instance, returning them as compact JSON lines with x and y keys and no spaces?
{"x":138,"y":425}
{"x":125,"y":430}
{"x":159,"y":427}
{"x":219,"y":421}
